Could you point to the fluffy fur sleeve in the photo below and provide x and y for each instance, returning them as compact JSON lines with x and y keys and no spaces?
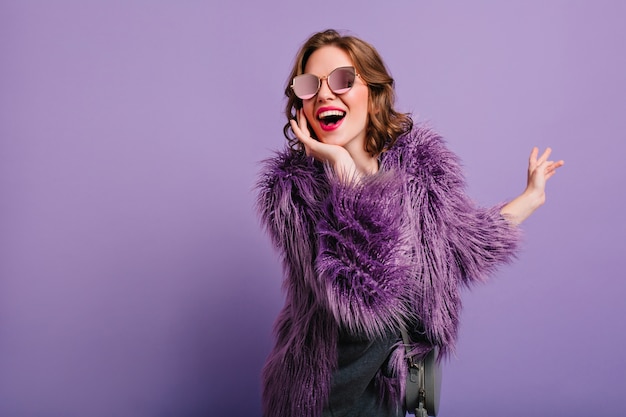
{"x":362,"y":256}
{"x":458,"y":243}
{"x":289,"y":190}
{"x":296,"y":377}
{"x":480,"y":237}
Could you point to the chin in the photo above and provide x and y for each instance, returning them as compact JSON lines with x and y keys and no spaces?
{"x":334,"y":141}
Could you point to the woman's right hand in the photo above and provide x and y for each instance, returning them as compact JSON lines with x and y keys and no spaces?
{"x":338,"y":157}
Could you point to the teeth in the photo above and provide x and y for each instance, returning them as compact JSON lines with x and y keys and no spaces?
{"x":330,"y":113}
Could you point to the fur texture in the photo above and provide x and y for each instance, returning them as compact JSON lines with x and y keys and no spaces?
{"x":392,"y":250}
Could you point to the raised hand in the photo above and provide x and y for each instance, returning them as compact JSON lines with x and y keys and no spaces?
{"x":540,"y":170}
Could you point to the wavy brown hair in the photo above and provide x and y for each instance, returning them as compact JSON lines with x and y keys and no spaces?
{"x":385,"y":124}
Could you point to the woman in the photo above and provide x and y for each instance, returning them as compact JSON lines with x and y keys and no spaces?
{"x":376,"y":233}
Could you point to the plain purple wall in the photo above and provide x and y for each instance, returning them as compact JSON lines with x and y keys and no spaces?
{"x":134,"y":278}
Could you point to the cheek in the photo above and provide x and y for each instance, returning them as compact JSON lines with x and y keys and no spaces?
{"x":363,"y":106}
{"x":359,"y":100}
{"x":308,"y":111}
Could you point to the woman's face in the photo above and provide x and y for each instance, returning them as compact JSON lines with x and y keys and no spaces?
{"x":338,"y":119}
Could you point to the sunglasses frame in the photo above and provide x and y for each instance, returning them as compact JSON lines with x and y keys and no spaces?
{"x":320,"y":79}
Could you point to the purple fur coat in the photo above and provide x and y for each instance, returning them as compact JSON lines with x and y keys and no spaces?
{"x":394,"y":249}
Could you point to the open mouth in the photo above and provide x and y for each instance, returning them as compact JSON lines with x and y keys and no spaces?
{"x":331,"y":118}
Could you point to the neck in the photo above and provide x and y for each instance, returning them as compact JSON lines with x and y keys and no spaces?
{"x":365,"y":163}
{"x":368,"y":165}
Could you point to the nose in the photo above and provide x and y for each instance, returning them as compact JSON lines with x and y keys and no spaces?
{"x":325,"y":93}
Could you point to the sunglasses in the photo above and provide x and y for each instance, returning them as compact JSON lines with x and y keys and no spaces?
{"x":340,"y":80}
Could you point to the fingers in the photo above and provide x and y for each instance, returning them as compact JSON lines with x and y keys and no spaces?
{"x":300,"y":129}
{"x":552,"y":167}
{"x":535,"y":162}
{"x":296,"y":125}
{"x":532,"y":160}
{"x":544,"y":157}
{"x":304,"y":126}
{"x":296,"y":130}
{"x":300,"y":126}
{"x":540,"y":169}
{"x":533,"y":156}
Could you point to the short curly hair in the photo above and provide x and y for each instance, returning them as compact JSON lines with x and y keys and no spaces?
{"x":385,"y":124}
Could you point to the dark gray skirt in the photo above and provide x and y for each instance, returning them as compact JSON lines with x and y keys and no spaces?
{"x":353,"y":392}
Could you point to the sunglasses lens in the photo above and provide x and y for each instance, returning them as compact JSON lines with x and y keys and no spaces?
{"x":341,"y":80}
{"x":305,"y":86}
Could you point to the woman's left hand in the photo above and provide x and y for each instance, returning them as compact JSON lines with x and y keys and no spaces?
{"x":540,"y":170}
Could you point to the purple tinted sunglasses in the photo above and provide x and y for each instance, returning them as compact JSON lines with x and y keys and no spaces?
{"x":340,"y":80}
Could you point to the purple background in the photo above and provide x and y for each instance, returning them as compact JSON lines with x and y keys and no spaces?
{"x":134,"y":278}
